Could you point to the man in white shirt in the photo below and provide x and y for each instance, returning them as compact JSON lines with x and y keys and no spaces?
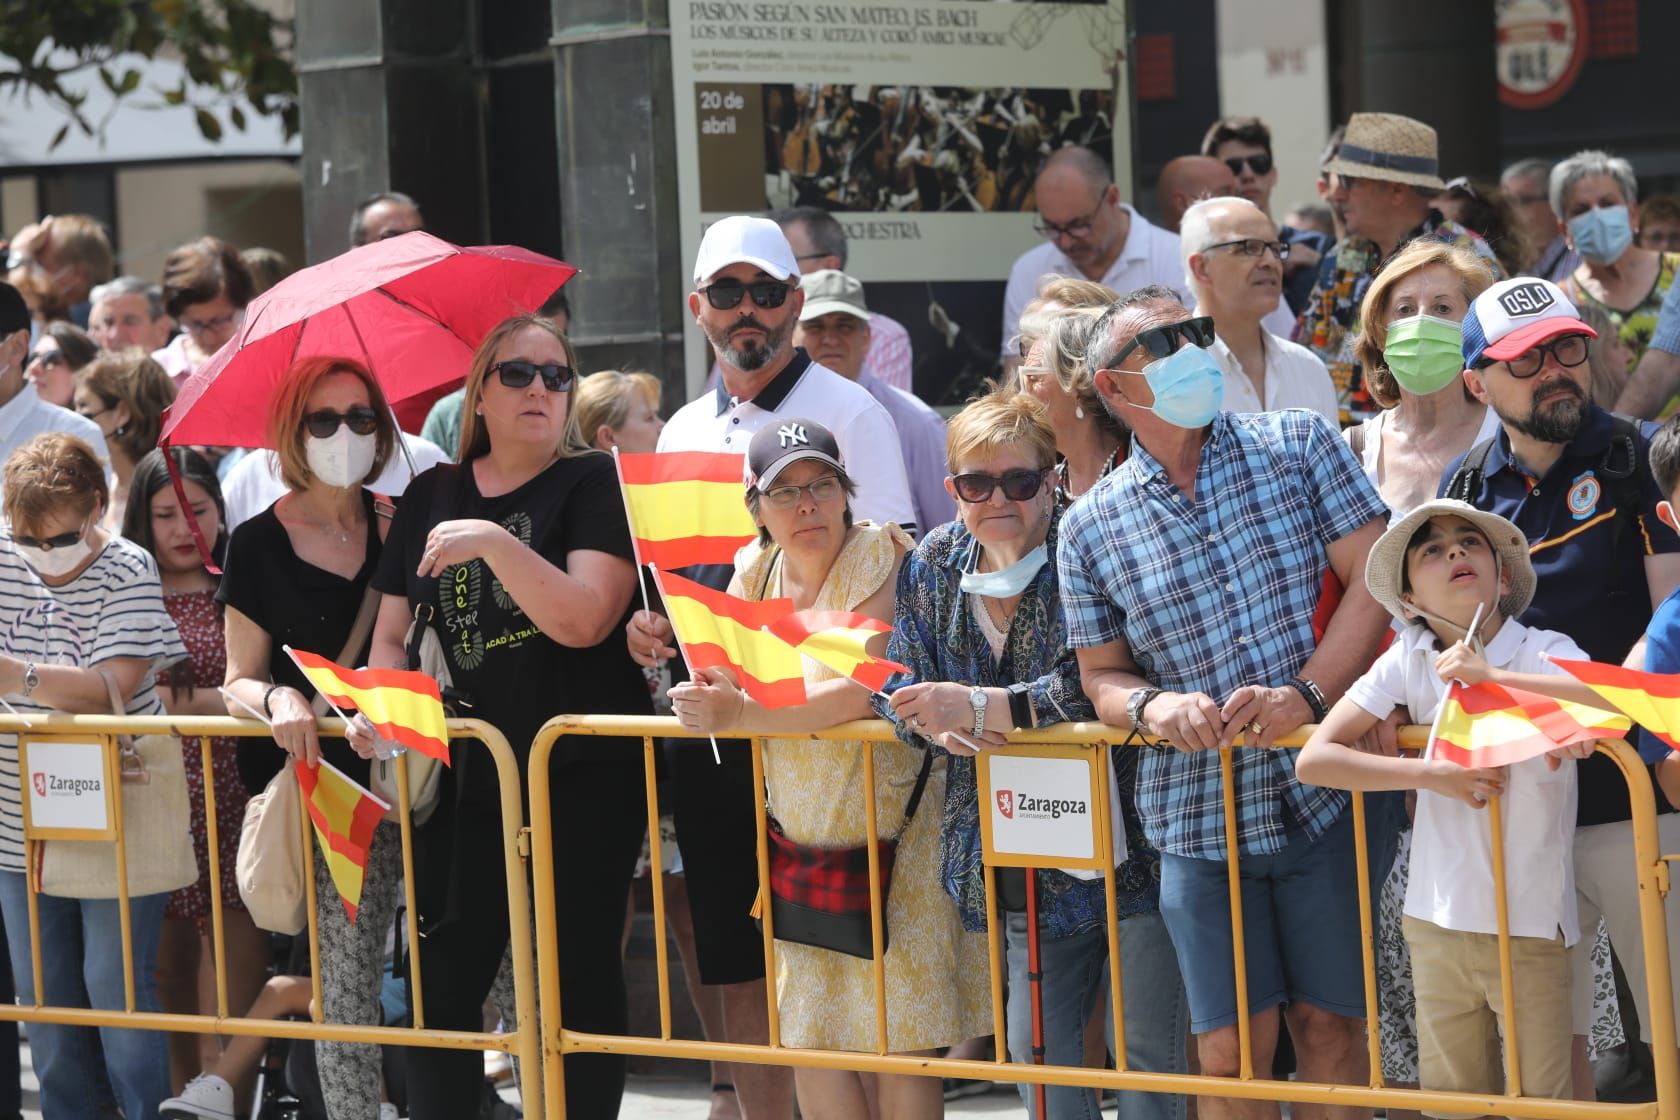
{"x":1089,"y":233}
{"x":23,"y":414}
{"x":253,"y":484}
{"x":1233,"y":263}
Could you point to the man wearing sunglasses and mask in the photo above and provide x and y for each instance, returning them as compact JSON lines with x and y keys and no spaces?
{"x":1190,"y":576}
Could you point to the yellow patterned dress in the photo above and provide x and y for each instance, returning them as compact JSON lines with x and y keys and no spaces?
{"x":936,"y":974}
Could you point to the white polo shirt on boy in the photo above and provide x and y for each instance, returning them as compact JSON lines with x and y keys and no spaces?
{"x":1451,"y":883}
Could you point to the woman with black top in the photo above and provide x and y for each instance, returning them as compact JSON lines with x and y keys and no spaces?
{"x":524,"y":554}
{"x":297,"y":575}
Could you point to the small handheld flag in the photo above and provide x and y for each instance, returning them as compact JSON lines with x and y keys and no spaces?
{"x":685,"y":507}
{"x":719,"y":631}
{"x":839,"y":640}
{"x":1652,"y":700}
{"x":1492,"y":725}
{"x":404,"y":706}
{"x":344,"y":815}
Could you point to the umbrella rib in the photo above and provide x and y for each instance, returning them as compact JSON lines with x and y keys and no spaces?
{"x":396,"y":299}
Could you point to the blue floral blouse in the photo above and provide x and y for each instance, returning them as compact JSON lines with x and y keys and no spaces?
{"x":935,"y":634}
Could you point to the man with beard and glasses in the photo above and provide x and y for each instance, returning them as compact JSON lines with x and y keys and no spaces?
{"x":1577,"y":480}
{"x":747,"y":300}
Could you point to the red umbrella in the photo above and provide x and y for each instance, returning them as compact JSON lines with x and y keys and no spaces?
{"x":412,"y":308}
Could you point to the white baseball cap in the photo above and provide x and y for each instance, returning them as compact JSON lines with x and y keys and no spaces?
{"x":1517,"y":315}
{"x":741,"y":239}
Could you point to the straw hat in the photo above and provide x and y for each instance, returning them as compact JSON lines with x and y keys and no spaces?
{"x":1388,"y":146}
{"x":1385,"y":567}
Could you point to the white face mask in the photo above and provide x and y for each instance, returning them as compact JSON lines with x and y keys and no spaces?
{"x":343,"y":458}
{"x":55,"y":562}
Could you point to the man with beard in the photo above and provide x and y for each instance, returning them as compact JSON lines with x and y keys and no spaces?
{"x":747,"y":300}
{"x":1577,"y":480}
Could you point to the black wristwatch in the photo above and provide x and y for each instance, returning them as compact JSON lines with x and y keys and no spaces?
{"x":1314,"y":697}
{"x":1135,"y":705}
{"x":1021,"y":711}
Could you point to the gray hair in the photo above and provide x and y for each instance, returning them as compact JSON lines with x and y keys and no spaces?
{"x":358,"y":235}
{"x":1098,"y":356}
{"x":1590,"y":162}
{"x":1195,"y":230}
{"x":1527,"y":168}
{"x":129,"y":286}
{"x":827,"y":235}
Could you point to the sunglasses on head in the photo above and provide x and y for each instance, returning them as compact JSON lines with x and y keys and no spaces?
{"x":1259,"y":163}
{"x":516,"y":374}
{"x":47,"y":544}
{"x":1164,"y":340}
{"x":1018,"y":485}
{"x":765,"y":293}
{"x":360,"y":419}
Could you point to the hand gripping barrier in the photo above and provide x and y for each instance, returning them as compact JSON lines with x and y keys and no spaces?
{"x":1092,"y":740}
{"x":522,"y":1042}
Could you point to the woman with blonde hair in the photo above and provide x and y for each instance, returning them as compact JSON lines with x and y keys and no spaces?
{"x":521,"y":556}
{"x":125,"y":394}
{"x":620,"y":409}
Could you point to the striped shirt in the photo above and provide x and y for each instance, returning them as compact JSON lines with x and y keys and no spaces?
{"x":113,"y":609}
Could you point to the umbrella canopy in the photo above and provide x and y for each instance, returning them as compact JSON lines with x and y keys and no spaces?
{"x":412,"y":309}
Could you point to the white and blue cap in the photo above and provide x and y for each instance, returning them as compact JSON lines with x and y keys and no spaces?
{"x":1517,"y":315}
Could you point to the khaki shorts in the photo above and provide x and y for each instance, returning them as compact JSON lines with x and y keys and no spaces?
{"x":1460,"y":1011}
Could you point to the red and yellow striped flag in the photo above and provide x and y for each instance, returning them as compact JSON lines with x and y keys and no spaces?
{"x":686,"y":507}
{"x":839,"y":639}
{"x":1491,"y":725}
{"x":345,"y":816}
{"x":719,"y":631}
{"x":1652,"y":700}
{"x":404,"y":706}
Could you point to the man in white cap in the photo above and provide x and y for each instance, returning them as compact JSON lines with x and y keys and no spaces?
{"x":1577,"y":481}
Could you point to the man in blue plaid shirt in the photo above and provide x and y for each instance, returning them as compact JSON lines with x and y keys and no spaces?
{"x":1190,"y":576}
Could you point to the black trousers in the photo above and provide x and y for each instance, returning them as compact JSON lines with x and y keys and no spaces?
{"x":599,"y":816}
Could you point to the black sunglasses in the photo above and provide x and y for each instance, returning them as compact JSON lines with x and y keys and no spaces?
{"x":1018,"y":485}
{"x":360,"y":419}
{"x":765,"y":293}
{"x":47,"y":358}
{"x":47,"y":544}
{"x":1164,"y":340}
{"x":1259,"y":163}
{"x":516,"y":374}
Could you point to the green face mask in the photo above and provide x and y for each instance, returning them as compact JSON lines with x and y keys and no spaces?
{"x":1424,"y":353}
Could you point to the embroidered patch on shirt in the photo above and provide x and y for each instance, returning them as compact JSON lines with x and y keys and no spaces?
{"x":1583,"y":496}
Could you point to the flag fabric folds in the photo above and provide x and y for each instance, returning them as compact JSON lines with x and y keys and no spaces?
{"x":719,"y":631}
{"x":1490,"y":725}
{"x":344,"y":815}
{"x":1652,"y":700}
{"x":838,"y":639}
{"x":686,"y":507}
{"x":404,"y":706}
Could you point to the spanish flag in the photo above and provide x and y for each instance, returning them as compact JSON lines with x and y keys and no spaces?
{"x":719,"y":631}
{"x":839,"y":639}
{"x":404,"y":706}
{"x":1490,"y":725}
{"x":1652,"y":700}
{"x":686,"y":507}
{"x":345,"y":816}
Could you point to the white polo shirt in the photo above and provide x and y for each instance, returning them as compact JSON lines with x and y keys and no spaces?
{"x":1150,"y":256}
{"x":1295,"y":378}
{"x":1451,"y":880}
{"x":26,"y":416}
{"x":869,"y":448}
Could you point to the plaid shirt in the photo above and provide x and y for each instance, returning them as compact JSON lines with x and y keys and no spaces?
{"x":1215,"y":594}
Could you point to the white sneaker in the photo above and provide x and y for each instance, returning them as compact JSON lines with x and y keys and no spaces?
{"x":206,"y":1097}
{"x":388,"y":1111}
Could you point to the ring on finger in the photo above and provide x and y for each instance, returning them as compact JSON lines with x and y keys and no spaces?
{"x":1254,"y":726}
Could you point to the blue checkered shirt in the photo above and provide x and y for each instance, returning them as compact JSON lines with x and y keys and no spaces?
{"x":1217,"y":594}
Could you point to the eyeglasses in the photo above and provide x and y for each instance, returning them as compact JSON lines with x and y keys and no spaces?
{"x":48,"y":359}
{"x":1164,"y":340}
{"x":765,"y":293}
{"x":204,"y":326}
{"x":359,"y":419}
{"x":516,"y":374}
{"x":47,"y":544}
{"x":1079,"y":227}
{"x":1259,"y":163}
{"x":1568,"y":351}
{"x":825,"y":489}
{"x":1018,"y":485}
{"x":1253,"y":247}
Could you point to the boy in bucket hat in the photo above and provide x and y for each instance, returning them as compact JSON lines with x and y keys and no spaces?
{"x":1436,"y":570}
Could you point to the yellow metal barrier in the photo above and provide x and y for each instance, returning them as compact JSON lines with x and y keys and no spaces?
{"x":522,"y":1042}
{"x":557,"y":1041}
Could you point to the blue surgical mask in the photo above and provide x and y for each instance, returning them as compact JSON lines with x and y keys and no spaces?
{"x":1188,"y":385}
{"x":1006,"y":583}
{"x":1602,"y":235}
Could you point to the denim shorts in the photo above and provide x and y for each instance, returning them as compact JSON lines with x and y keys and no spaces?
{"x":1300,"y":928}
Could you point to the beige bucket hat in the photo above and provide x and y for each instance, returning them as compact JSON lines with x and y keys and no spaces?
{"x":1388,"y":146}
{"x":1385,"y":567}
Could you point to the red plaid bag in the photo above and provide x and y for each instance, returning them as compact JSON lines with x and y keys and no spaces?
{"x":820,"y":896}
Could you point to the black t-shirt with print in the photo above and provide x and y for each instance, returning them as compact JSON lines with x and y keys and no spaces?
{"x":516,"y":677}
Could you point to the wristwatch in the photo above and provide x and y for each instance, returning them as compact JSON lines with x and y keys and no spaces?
{"x":1022,"y":711}
{"x":1135,"y":705}
{"x":31,"y":679}
{"x":977,"y":701}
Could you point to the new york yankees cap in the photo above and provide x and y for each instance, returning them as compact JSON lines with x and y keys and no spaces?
{"x":782,"y":443}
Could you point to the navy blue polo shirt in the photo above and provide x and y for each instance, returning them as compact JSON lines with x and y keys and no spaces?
{"x":1588,"y":586}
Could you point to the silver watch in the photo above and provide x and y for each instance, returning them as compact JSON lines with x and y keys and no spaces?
{"x":31,"y":679}
{"x":977,"y":701}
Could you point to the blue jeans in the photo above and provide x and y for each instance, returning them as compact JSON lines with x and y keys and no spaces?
{"x":81,"y":965}
{"x":1075,"y":979}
